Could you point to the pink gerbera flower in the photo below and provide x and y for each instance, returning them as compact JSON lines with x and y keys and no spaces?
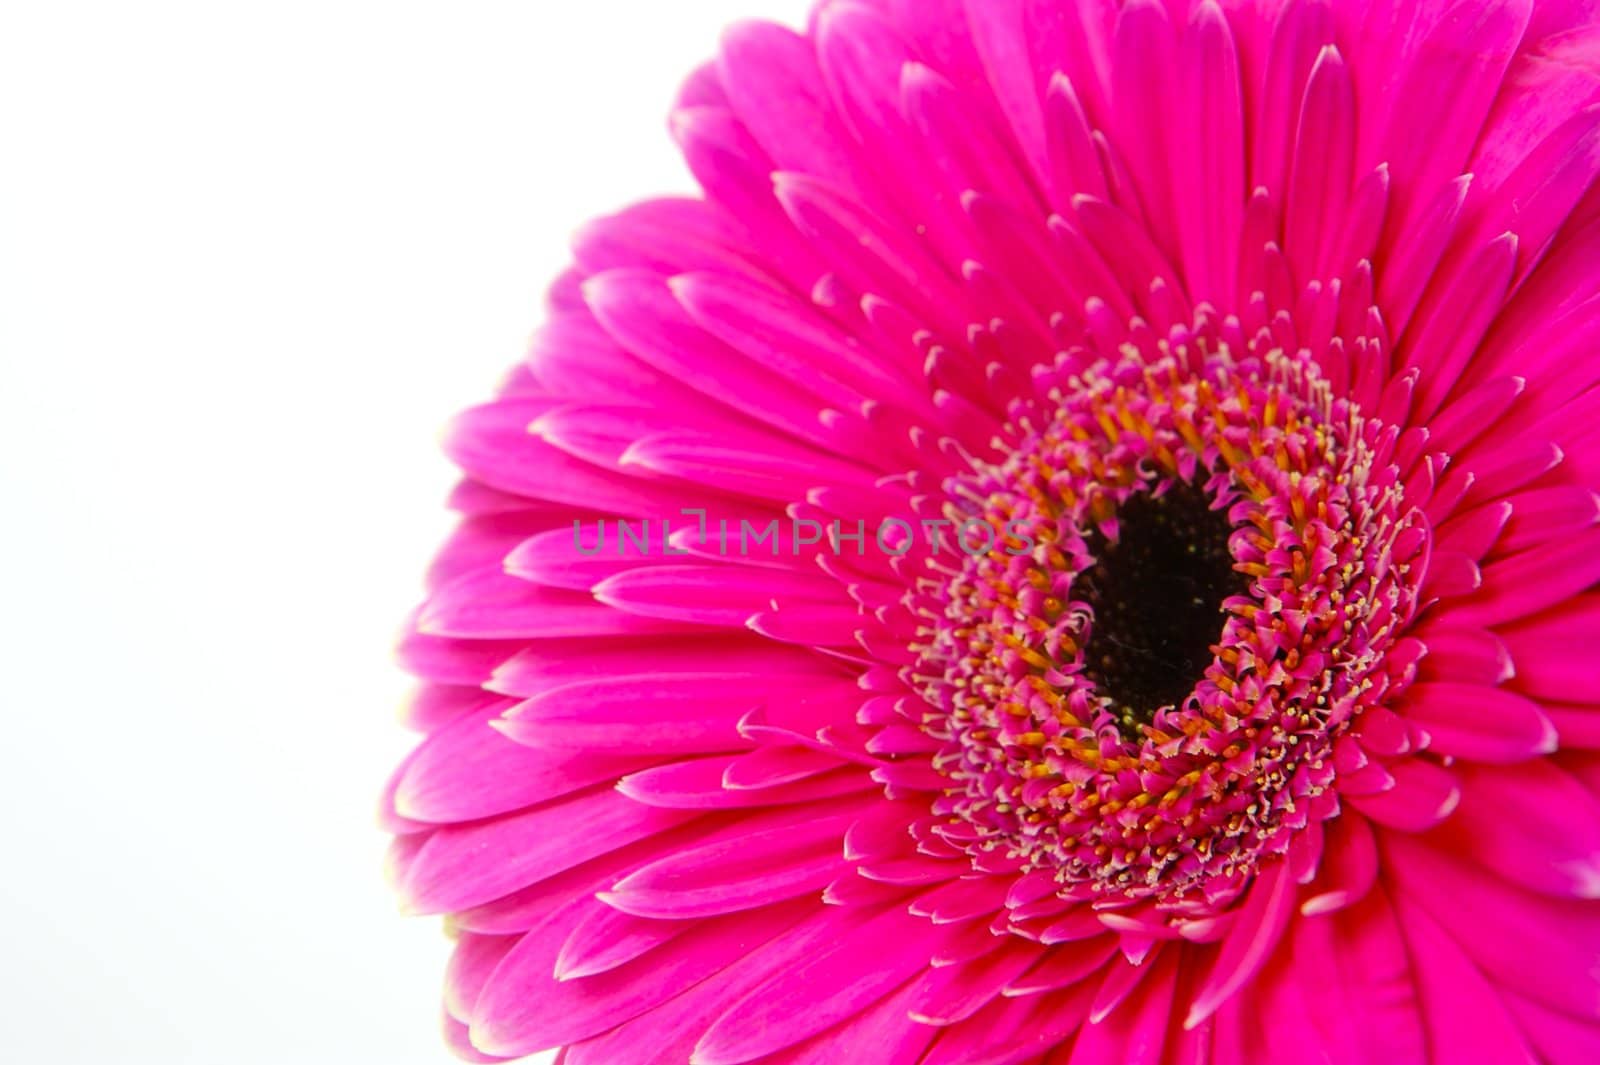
{"x":1081,"y":547}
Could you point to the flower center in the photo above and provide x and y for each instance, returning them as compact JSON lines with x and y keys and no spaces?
{"x":1156,"y":591}
{"x":1201,"y":560}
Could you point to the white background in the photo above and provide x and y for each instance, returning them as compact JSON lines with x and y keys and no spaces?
{"x":252,"y":257}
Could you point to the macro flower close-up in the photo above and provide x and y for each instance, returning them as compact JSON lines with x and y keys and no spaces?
{"x":1080,"y":544}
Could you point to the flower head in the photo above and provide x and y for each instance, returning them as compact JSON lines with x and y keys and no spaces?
{"x":1083,"y":545}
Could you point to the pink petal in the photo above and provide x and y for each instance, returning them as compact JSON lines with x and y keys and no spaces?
{"x":665,"y":235}
{"x":825,"y":987}
{"x":1543,"y":514}
{"x":469,"y":771}
{"x":1557,"y":652}
{"x":1301,"y":32}
{"x":493,"y":605}
{"x":604,"y":939}
{"x":1451,"y":323}
{"x":1471,"y":417}
{"x":883,"y":831}
{"x":999,"y":35}
{"x":1349,"y":867}
{"x":567,"y":896}
{"x":1012,"y":1030}
{"x":1422,"y":796}
{"x":1477,"y":723}
{"x":1443,"y":71}
{"x":758,"y":860}
{"x":961,"y":149}
{"x":493,"y":445}
{"x":749,"y":465}
{"x":1509,"y":467}
{"x":677,"y":713}
{"x":1142,"y":92}
{"x":1559,"y":1038}
{"x":952,"y":994}
{"x":964,"y":899}
{"x":1542,"y":946}
{"x":482,"y":541}
{"x":578,"y":555}
{"x":1354,"y":963}
{"x":1464,"y":656}
{"x":812,"y":624}
{"x":1321,"y":173}
{"x":775,"y":87}
{"x":466,"y":663}
{"x":1406,"y":276}
{"x":1080,"y":924}
{"x":1472,"y":535}
{"x":1578,"y":726}
{"x":1380,"y":731}
{"x":641,"y":312}
{"x":458,"y":1039}
{"x":474,"y":958}
{"x":734,"y":172}
{"x":573,"y":358}
{"x":667,"y":1033}
{"x":792,"y":338}
{"x":712,"y":594}
{"x":524,"y":1009}
{"x":1064,"y":966}
{"x":1531,"y":824}
{"x":1535,"y":199}
{"x":702,"y":784}
{"x":884,"y":1027}
{"x":1209,"y":211}
{"x":464,"y":865}
{"x":1262,"y":919}
{"x":1282,"y":1001}
{"x":551,"y":663}
{"x":432,"y":707}
{"x":868,"y":254}
{"x":1136,"y":1031}
{"x":1533,"y":581}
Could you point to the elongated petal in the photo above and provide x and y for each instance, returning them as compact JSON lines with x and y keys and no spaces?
{"x":1423,"y":795}
{"x":467,"y":864}
{"x":761,"y":860}
{"x":1349,"y":868}
{"x":469,"y":771}
{"x":524,"y":1009}
{"x":827,"y":987}
{"x":1261,"y":923}
{"x":1557,"y":653}
{"x":1541,"y":946}
{"x":1478,"y":723}
{"x":1533,"y":825}
{"x":669,"y":712}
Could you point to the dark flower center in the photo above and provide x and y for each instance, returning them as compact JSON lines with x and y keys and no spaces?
{"x":1157,"y":592}
{"x":1141,"y":695}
